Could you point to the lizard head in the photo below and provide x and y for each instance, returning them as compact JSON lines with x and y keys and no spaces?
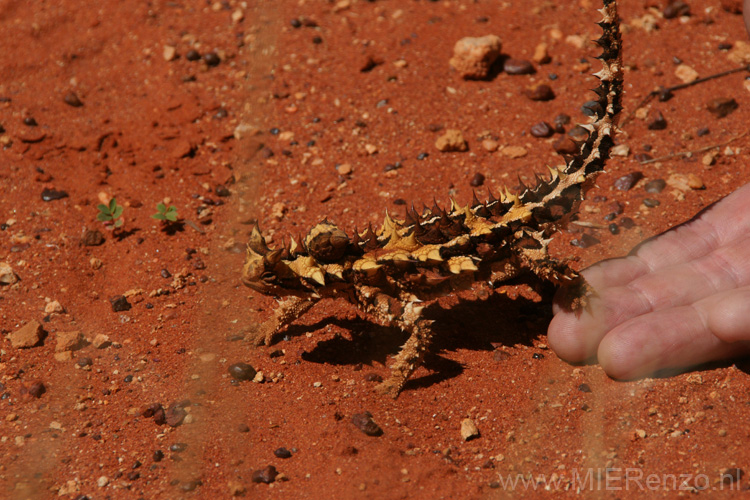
{"x":264,"y":271}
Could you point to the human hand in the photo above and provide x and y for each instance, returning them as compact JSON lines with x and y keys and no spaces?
{"x":680,"y":299}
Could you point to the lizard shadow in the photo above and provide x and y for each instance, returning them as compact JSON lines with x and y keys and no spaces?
{"x":474,"y":325}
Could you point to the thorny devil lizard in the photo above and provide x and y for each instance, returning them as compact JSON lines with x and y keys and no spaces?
{"x":392,"y":274}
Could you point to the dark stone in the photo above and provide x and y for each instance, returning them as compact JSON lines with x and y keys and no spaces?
{"x":585,"y":241}
{"x":722,"y":106}
{"x":222,"y":191}
{"x":165,"y":273}
{"x":560,"y":121}
{"x":657,"y":122}
{"x":627,"y":223}
{"x":542,"y":92}
{"x":53,"y":194}
{"x":613,"y":228}
{"x":175,"y":415}
{"x":37,"y":389}
{"x":518,"y":67}
{"x":211,"y":59}
{"x":477,"y":180}
{"x":373,"y":377}
{"x":499,"y":356}
{"x":158,"y":456}
{"x":655,"y":186}
{"x":626,"y":182}
{"x":537,"y":355}
{"x":192,"y":55}
{"x":243,"y":428}
{"x":651,"y":203}
{"x":242,"y":371}
{"x":282,"y":453}
{"x":541,"y":130}
{"x":676,"y":8}
{"x":365,"y":423}
{"x":584,"y":388}
{"x":120,"y":303}
{"x":266,"y":475}
{"x":84,"y":362}
{"x":72,"y":100}
{"x":702,"y":131}
{"x":92,"y":238}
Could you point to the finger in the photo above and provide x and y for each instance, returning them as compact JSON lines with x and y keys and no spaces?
{"x":720,"y":224}
{"x":608,"y":274}
{"x":674,"y":338}
{"x":728,"y":314}
{"x":576,"y":337}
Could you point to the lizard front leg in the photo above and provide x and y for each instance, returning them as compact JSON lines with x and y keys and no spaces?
{"x":406,"y":313}
{"x":288,"y":310}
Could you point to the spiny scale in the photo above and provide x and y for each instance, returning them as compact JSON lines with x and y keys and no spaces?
{"x":392,"y":272}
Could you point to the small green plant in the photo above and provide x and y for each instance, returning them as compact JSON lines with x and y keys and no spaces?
{"x":110,"y":215}
{"x":166,"y":214}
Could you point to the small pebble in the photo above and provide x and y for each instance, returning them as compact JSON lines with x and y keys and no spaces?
{"x":585,"y":241}
{"x":518,"y":67}
{"x":658,"y":122}
{"x":473,"y":56}
{"x":53,"y":194}
{"x":242,"y":371}
{"x":655,"y":186}
{"x":477,"y":180}
{"x":211,"y":59}
{"x":613,"y":228}
{"x":702,"y":131}
{"x":243,"y":428}
{"x":469,"y":429}
{"x":651,"y":203}
{"x":282,"y":453}
{"x":266,"y":475}
{"x":317,"y":40}
{"x":537,"y":355}
{"x":365,"y":423}
{"x":626,"y":182}
{"x":72,"y":100}
{"x":560,"y":121}
{"x":541,"y":130}
{"x":627,"y":223}
{"x":37,"y":389}
{"x":192,"y":55}
{"x":158,"y":456}
{"x":540,"y":92}
{"x":676,"y":8}
{"x":296,"y":23}
{"x":722,"y":106}
{"x":119,"y":303}
{"x":84,"y":362}
{"x":584,"y":388}
{"x":178,"y":447}
{"x":29,"y":121}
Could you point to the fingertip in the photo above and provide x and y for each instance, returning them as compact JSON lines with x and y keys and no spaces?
{"x":567,"y":336}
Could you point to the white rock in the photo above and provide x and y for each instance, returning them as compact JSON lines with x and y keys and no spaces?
{"x":469,"y":429}
{"x":7,"y":276}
